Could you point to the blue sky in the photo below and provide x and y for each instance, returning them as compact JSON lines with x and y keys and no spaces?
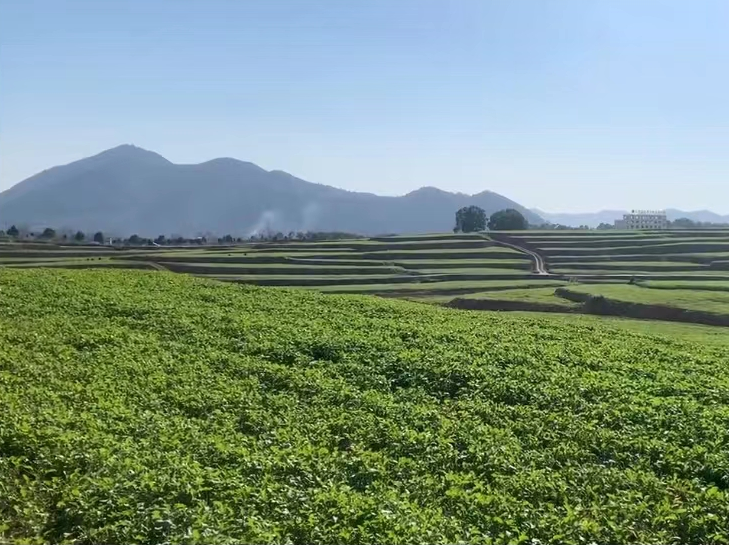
{"x":570,"y":105}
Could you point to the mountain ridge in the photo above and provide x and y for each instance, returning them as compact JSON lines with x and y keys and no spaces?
{"x":127,"y":189}
{"x":593,"y":219}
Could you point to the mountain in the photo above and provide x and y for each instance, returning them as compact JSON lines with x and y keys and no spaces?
{"x":128,"y":190}
{"x":593,"y":219}
{"x":697,"y":215}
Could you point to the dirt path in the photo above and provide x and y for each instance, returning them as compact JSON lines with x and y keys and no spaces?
{"x":540,"y":266}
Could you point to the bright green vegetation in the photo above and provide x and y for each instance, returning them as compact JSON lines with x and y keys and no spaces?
{"x":680,"y":332}
{"x":697,"y":285}
{"x":706,"y":300}
{"x":529,"y":295}
{"x":153,"y":407}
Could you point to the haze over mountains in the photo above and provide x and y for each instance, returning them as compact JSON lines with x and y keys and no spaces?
{"x":128,"y":190}
{"x":593,"y":219}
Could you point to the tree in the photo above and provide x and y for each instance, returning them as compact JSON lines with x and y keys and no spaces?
{"x":470,"y":219}
{"x":48,"y":233}
{"x":605,"y":226}
{"x":508,"y":220}
{"x":79,"y":236}
{"x":135,"y":239}
{"x":13,"y":231}
{"x":160,"y":240}
{"x":99,"y":237}
{"x":684,"y":223}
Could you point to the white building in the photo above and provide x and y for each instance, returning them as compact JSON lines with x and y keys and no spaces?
{"x":643,"y":219}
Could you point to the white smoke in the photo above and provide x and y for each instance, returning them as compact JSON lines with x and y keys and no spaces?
{"x":264,"y":225}
{"x":271,"y":221}
{"x":309,"y":216}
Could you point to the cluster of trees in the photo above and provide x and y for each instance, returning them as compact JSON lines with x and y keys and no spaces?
{"x":685,"y":223}
{"x":471,"y":219}
{"x":50,"y":234}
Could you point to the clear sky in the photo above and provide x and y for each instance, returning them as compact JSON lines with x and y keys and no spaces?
{"x":571,"y":105}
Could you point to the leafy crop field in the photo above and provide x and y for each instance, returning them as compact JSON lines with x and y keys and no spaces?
{"x":143,"y":406}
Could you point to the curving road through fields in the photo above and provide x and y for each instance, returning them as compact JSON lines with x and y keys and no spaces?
{"x":540,"y":266}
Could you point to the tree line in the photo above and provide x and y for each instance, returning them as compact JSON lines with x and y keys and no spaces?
{"x":49,"y":234}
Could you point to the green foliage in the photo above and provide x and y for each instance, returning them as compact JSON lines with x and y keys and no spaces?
{"x":13,"y":231}
{"x":151,"y":407}
{"x":79,"y":236}
{"x":508,"y":220}
{"x":470,"y":219}
{"x":48,"y":233}
{"x":99,"y":237}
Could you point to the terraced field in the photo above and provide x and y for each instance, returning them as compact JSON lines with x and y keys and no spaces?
{"x":647,"y":254}
{"x":438,"y":265}
{"x":479,"y":271}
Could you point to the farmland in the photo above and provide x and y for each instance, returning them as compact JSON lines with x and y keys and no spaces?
{"x":476,"y":271}
{"x":145,"y":406}
{"x":394,"y":266}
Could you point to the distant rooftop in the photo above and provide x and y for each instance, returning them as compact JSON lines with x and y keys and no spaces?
{"x":649,"y":212}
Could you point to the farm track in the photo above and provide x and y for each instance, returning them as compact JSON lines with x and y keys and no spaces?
{"x":540,"y":266}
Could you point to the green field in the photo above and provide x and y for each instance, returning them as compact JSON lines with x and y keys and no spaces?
{"x":706,"y":300}
{"x":437,"y":262}
{"x":703,"y":334}
{"x":150,"y":407}
{"x":543,"y":295}
{"x":435,"y":268}
{"x":694,"y":285}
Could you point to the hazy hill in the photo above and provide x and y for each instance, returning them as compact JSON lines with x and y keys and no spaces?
{"x":593,"y":219}
{"x":128,"y":190}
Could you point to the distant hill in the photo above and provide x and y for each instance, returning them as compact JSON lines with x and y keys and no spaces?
{"x":128,"y":190}
{"x":593,"y":219}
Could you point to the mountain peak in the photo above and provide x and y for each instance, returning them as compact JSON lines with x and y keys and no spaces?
{"x":229,"y":162}
{"x":130,"y":151}
{"x":426,"y":191}
{"x":128,"y":189}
